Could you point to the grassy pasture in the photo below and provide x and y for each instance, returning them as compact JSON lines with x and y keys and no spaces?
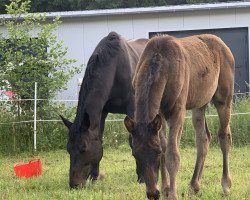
{"x":119,"y":181}
{"x":117,"y":165}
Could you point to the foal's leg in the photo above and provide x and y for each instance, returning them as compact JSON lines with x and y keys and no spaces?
{"x":175,"y":122}
{"x":164,"y":171}
{"x":225,"y":138}
{"x":164,"y":176}
{"x":95,"y":170}
{"x":202,"y":144}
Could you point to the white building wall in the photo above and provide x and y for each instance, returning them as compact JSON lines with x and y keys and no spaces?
{"x":82,"y":34}
{"x":93,"y":29}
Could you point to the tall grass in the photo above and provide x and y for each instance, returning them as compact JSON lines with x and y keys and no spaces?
{"x":115,"y":133}
{"x":16,"y":138}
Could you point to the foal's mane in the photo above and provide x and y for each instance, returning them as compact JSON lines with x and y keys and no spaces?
{"x":105,"y":51}
{"x":149,"y":74}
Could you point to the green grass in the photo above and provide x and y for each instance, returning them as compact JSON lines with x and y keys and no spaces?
{"x":119,"y":182}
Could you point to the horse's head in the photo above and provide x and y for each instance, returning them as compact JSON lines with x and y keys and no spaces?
{"x":85,"y":150}
{"x":146,"y":148}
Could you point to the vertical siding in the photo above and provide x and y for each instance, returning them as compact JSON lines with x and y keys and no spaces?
{"x":242,"y":17}
{"x":222,"y":18}
{"x":71,"y":33}
{"x":143,"y":24}
{"x":171,"y":21}
{"x":196,"y":20}
{"x":94,"y":30}
{"x":121,"y":24}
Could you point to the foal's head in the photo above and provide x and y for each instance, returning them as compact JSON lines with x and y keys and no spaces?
{"x":85,"y":149}
{"x":146,"y":148}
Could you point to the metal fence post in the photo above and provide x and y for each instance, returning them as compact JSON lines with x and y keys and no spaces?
{"x":35,"y":101}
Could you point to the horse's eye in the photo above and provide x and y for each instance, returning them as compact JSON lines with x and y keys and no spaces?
{"x":82,"y":148}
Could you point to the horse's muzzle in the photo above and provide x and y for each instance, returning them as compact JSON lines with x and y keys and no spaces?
{"x":75,"y":186}
{"x":140,"y":180}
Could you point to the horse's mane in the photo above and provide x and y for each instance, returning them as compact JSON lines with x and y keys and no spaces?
{"x":149,"y":90}
{"x":105,"y":50}
{"x":103,"y":54}
{"x":147,"y":78}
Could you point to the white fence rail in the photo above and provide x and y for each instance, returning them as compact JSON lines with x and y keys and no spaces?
{"x":35,"y":120}
{"x":107,"y":120}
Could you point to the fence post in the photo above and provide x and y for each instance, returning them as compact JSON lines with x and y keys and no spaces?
{"x":35,"y":101}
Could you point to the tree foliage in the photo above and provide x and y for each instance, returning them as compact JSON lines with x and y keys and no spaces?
{"x":31,"y":53}
{"x":69,"y":5}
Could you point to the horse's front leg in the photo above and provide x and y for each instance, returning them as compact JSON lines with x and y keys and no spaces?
{"x":95,"y":168}
{"x":164,"y":176}
{"x":163,"y":167}
{"x":175,"y":122}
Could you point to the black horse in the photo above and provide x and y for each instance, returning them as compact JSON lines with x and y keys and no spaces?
{"x":106,"y":88}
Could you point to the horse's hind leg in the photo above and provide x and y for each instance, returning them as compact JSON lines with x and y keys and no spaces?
{"x":225,"y":137}
{"x":202,"y":144}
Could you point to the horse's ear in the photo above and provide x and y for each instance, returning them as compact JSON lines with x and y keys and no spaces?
{"x":129,"y":123}
{"x":86,"y":121}
{"x":66,"y":122}
{"x":156,"y":123}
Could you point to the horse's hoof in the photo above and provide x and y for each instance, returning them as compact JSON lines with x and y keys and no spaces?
{"x":226,"y":185}
{"x":194,"y":188}
{"x":165,"y":192}
{"x":172,"y":197}
{"x":101,"y":176}
{"x":226,"y":191}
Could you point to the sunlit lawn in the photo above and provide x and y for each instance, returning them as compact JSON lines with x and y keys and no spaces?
{"x":119,"y":181}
